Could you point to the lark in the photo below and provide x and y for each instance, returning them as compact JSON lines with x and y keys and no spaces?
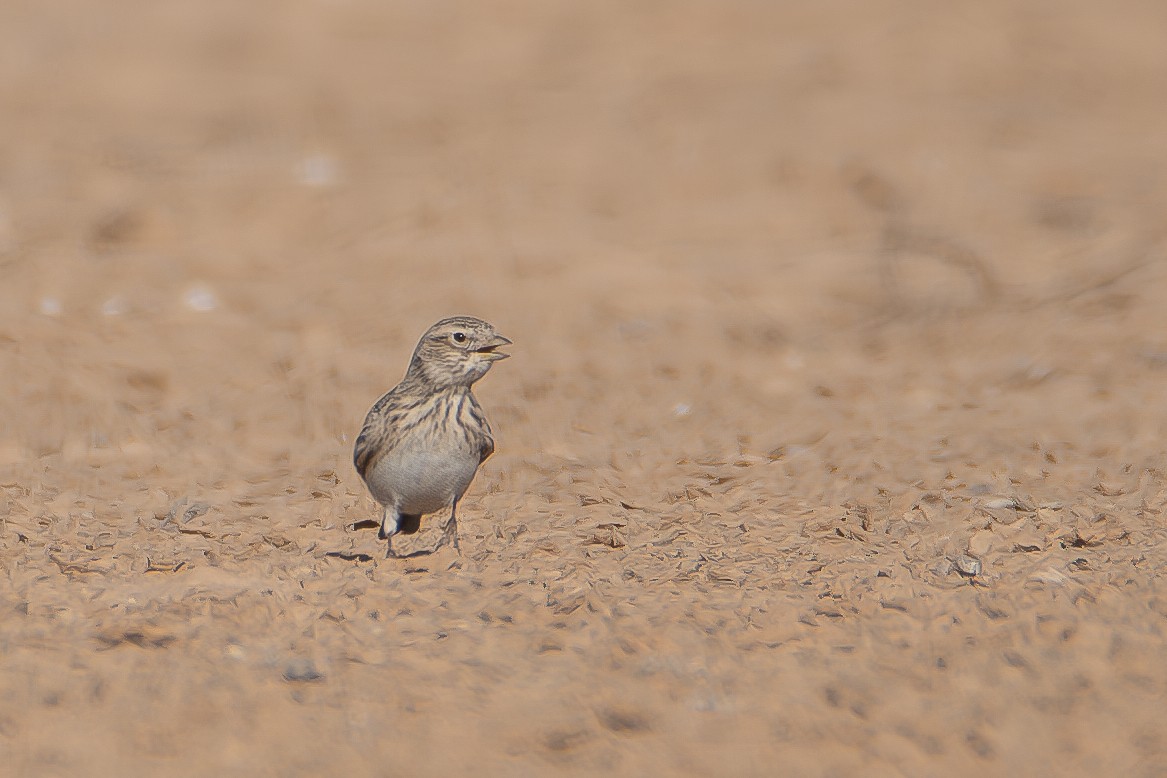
{"x":423,"y":441}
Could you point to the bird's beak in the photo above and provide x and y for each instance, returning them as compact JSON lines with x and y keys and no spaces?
{"x":489,"y":352}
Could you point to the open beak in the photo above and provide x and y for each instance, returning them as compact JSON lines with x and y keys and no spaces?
{"x":489,"y":349}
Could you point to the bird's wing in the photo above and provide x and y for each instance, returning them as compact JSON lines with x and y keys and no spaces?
{"x":483,"y":435}
{"x":374,"y":440}
{"x":368,"y":449}
{"x":486,"y":448}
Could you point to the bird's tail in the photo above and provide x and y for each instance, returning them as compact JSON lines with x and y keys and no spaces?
{"x":393,"y":522}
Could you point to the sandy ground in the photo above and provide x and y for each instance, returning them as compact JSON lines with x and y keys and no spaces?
{"x":832,"y":443}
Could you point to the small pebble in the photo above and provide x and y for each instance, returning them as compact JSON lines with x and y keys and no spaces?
{"x":968,"y":566}
{"x":50,"y":306}
{"x":114,"y":306}
{"x":318,"y":170}
{"x":981,"y":543}
{"x":1049,"y":576}
{"x":201,"y":298}
{"x":302,"y":670}
{"x":682,"y":409}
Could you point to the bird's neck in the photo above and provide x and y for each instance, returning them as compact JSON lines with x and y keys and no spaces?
{"x":420,"y":375}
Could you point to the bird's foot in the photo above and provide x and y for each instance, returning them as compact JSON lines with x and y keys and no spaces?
{"x":449,"y":537}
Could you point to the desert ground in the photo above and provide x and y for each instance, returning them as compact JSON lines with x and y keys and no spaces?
{"x":832,"y":442}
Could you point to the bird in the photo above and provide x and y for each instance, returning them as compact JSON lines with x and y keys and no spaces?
{"x":423,"y":441}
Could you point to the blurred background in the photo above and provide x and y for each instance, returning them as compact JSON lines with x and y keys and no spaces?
{"x":186,"y":185}
{"x":877,"y":245}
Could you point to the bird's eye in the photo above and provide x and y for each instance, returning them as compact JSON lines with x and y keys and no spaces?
{"x":459,"y":337}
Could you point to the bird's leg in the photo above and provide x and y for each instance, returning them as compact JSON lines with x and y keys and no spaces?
{"x":452,"y":526}
{"x":450,"y":531}
{"x":389,"y":523}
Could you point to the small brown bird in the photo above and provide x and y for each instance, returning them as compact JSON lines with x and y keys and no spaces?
{"x":422,"y":442}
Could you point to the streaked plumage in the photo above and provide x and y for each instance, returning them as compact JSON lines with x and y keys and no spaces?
{"x":423,"y":441}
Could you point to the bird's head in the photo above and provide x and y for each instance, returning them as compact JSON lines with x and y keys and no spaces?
{"x":457,"y":352}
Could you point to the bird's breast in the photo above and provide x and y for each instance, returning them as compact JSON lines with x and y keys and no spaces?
{"x":419,"y":479}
